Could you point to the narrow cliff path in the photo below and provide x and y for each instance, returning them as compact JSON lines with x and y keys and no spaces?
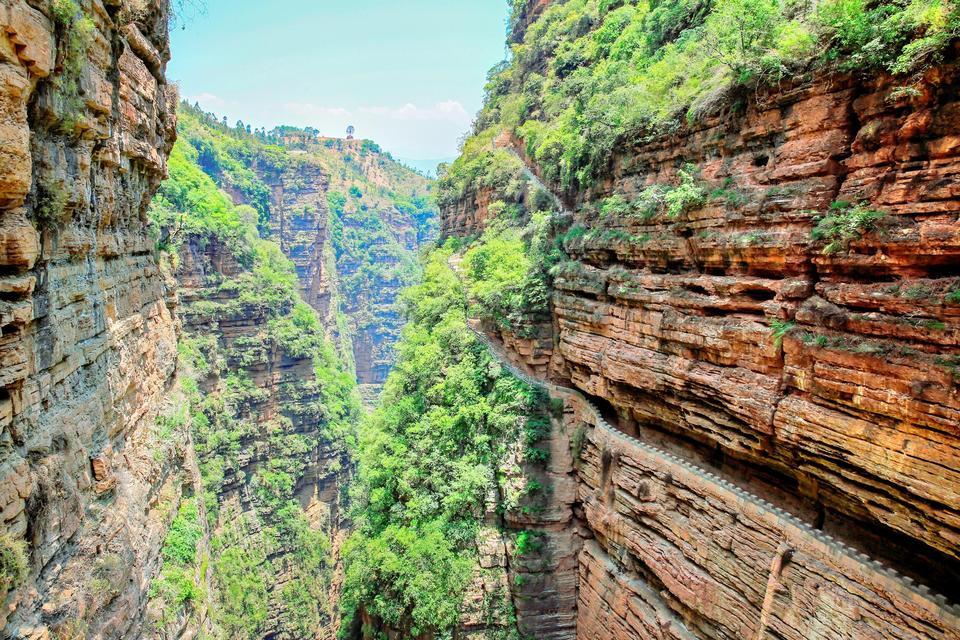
{"x":791,"y":526}
{"x":528,"y":173}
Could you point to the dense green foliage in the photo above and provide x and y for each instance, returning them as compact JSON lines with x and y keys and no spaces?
{"x":507,"y":271}
{"x":591,"y":75}
{"x":223,"y":403}
{"x":223,"y":422}
{"x":178,"y":584}
{"x":13,"y":563}
{"x":366,"y":249}
{"x":428,"y":457}
{"x":190,"y":203}
{"x":236,"y":159}
{"x":481,"y":165}
{"x":844,"y":223}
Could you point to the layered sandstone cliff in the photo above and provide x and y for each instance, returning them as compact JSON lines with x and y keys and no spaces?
{"x":780,"y":412}
{"x":89,"y":333}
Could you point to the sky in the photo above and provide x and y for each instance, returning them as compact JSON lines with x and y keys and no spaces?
{"x":408,"y":74}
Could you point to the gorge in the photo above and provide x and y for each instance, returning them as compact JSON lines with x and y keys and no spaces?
{"x":670,"y":351}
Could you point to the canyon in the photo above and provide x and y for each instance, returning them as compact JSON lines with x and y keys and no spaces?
{"x":175,"y":452}
{"x":764,"y":425}
{"x":258,"y":385}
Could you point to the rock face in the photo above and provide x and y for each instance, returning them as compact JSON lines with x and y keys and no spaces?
{"x":89,"y":333}
{"x":273,"y":471}
{"x":822,"y":379}
{"x":350,"y":217}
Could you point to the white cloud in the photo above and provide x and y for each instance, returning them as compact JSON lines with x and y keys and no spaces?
{"x":450,"y":111}
{"x":308,"y":110}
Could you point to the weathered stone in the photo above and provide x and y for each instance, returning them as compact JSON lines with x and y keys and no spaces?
{"x":89,"y":344}
{"x":845,"y":417}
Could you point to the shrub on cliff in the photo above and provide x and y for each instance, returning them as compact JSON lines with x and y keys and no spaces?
{"x":844,"y":223}
{"x":429,"y":456}
{"x":591,"y":75}
{"x":481,"y":166}
{"x":897,"y":36}
{"x":507,"y":271}
{"x":13,"y":563}
{"x":176,"y":587}
{"x":76,"y":32}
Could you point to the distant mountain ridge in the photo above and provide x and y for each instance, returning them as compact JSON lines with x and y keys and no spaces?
{"x":428,"y":166}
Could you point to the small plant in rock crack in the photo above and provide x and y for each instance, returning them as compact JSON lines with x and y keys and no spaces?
{"x":13,"y":563}
{"x":918,"y":292}
{"x":529,"y":542}
{"x":730,"y":194}
{"x":844,"y":223}
{"x":534,"y":487}
{"x":76,"y":33}
{"x":577,"y":443}
{"x":780,"y":328}
{"x":951,"y":363}
{"x":687,"y":195}
{"x":537,"y":455}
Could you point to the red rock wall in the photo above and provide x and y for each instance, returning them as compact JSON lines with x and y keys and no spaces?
{"x":850,"y":424}
{"x":680,"y":553}
{"x":860,"y":406}
{"x":89,"y":338}
{"x":467,"y":217}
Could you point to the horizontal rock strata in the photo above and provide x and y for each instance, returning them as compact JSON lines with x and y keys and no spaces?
{"x":89,"y":334}
{"x":821,"y":379}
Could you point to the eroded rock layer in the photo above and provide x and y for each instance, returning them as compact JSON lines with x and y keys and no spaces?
{"x":89,"y":334}
{"x":859,"y":408}
{"x":821,"y":378}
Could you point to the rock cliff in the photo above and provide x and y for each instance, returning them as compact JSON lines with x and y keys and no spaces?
{"x":89,"y":327}
{"x":350,"y":218}
{"x":854,"y":411}
{"x":760,"y":304}
{"x":270,"y":415}
{"x":270,"y":409}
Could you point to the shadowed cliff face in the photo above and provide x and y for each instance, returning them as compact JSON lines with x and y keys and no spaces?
{"x":89,"y":334}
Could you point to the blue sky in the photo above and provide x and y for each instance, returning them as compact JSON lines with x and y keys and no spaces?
{"x":408,"y":74}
